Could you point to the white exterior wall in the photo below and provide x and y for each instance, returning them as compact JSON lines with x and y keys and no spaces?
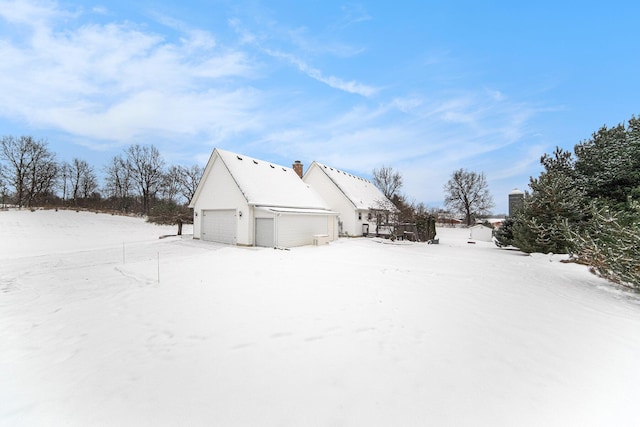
{"x":362,"y":221}
{"x":337,"y":201}
{"x":220,"y":191}
{"x":298,"y":230}
{"x":332,"y":226}
{"x":482,"y":233}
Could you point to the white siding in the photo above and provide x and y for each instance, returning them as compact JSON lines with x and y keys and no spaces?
{"x":332,"y":226}
{"x":482,"y":233}
{"x":218,"y":191}
{"x":298,"y":230}
{"x":337,"y":200}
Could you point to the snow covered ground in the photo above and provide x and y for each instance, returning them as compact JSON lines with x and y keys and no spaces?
{"x":103,"y":323}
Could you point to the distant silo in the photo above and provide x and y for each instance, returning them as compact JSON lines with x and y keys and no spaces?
{"x":516,"y":199}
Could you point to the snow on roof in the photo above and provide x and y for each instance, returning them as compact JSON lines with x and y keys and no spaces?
{"x":361,"y":192}
{"x":296,"y":210}
{"x":268,"y":184}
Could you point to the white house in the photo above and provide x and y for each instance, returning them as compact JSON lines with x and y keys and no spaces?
{"x":359,"y":202}
{"x":245,"y":201}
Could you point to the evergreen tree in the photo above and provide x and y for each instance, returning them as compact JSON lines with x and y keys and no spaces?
{"x":608,"y":165}
{"x":504,"y":234}
{"x":609,"y":247}
{"x":553,"y":207}
{"x":589,"y":206}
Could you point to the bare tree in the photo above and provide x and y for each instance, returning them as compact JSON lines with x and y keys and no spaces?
{"x":15,"y":154}
{"x":118,"y":183}
{"x":468,"y":193}
{"x":147,"y":172}
{"x":88,"y":179}
{"x":388,"y":181}
{"x":180,"y":183}
{"x":80,"y":178}
{"x":30,"y":168}
{"x":75,"y":174}
{"x":4,"y":191}
{"x":189,"y":177}
{"x":171,"y":184}
{"x":42,"y":177}
{"x":3,"y":195}
{"x":64,"y":177}
{"x":167,"y":212}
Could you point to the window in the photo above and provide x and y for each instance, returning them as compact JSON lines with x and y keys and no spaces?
{"x":360,"y":216}
{"x":369,"y":216}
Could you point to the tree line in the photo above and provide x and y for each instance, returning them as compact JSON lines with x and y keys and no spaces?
{"x":136,"y":181}
{"x":139,"y":181}
{"x":466,"y":193}
{"x":586,"y":203}
{"x":417,"y":219}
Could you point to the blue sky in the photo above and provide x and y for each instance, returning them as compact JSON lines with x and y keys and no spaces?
{"x":422,"y":86}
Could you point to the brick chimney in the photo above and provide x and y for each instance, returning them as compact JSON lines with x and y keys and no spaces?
{"x":298,"y":167}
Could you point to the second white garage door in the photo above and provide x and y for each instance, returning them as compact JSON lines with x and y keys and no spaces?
{"x":264,"y":232}
{"x":219,"y":226}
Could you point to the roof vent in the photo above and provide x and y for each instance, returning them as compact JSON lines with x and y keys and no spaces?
{"x":255,"y":162}
{"x":239,"y":158}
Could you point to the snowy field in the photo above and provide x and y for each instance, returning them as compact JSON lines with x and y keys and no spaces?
{"x":104,"y":324}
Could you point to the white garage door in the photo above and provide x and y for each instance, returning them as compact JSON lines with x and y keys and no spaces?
{"x":219,"y":226}
{"x":264,"y":232}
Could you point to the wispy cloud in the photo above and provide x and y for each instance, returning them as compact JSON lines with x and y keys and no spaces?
{"x":115,"y":83}
{"x":30,"y":13}
{"x":100,"y":10}
{"x":352,"y":14}
{"x":402,"y":130}
{"x":353,"y":87}
{"x":118,"y":82}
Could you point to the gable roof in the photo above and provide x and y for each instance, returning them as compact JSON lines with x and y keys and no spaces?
{"x":362,"y":193}
{"x":268,"y":184}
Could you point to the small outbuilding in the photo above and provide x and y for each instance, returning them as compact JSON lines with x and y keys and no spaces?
{"x":481,"y":233}
{"x":362,"y":207}
{"x":245,"y":201}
